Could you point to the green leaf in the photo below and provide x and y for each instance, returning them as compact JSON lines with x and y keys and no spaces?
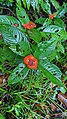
{"x":46,"y":6}
{"x":65,"y":78}
{"x":60,"y":47}
{"x":62,"y":11}
{"x":22,"y":49}
{"x":47,"y":22}
{"x":55,"y":4}
{"x":35,"y":35}
{"x":11,"y":35}
{"x":53,"y":69}
{"x":52,"y":56}
{"x":62,"y":89}
{"x":50,"y":76}
{"x":6,"y":54}
{"x":28,"y":2}
{"x":59,"y":22}
{"x":18,"y":3}
{"x":62,"y":34}
{"x":40,"y":20}
{"x":22,"y":16}
{"x":45,"y":49}
{"x":18,"y":74}
{"x":24,"y":2}
{"x":17,"y":112}
{"x":52,"y":29}
{"x":8,"y":20}
{"x":1,"y":116}
{"x":35,"y":4}
{"x":49,"y":51}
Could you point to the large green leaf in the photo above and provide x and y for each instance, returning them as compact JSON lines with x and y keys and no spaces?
{"x":46,"y":6}
{"x":11,"y":35}
{"x":21,"y":14}
{"x":48,"y":49}
{"x":18,"y":74}
{"x":50,"y":67}
{"x":45,"y":49}
{"x":55,"y":4}
{"x":8,"y":20}
{"x":59,"y":22}
{"x":52,"y":29}
{"x":62,"y":35}
{"x":35,"y":35}
{"x":50,"y":76}
{"x":22,"y":49}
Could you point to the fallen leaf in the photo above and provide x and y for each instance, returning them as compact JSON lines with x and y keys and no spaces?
{"x":1,"y":79}
{"x":53,"y":107}
{"x":63,"y":99}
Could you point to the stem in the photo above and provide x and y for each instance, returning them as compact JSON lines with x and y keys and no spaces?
{"x":8,"y":9}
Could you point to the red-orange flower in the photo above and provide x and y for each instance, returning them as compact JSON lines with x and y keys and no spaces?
{"x":29,"y":25}
{"x":51,"y":16}
{"x":31,"y":62}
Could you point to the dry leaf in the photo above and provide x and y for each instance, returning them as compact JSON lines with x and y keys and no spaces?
{"x":53,"y":107}
{"x":1,"y":79}
{"x":63,"y":99}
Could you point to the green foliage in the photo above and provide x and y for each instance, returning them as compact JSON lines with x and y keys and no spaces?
{"x":19,"y":73}
{"x":52,"y":29}
{"x":1,"y":116}
{"x":22,"y":16}
{"x":9,"y":20}
{"x":26,"y":92}
{"x":49,"y":75}
{"x":13,"y":36}
{"x":46,"y":6}
{"x":18,"y":40}
{"x":22,"y":48}
{"x":35,"y":35}
{"x":55,"y":4}
{"x":62,"y":11}
{"x":33,"y":3}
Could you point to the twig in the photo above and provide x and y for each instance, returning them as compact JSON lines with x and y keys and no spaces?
{"x":8,"y":9}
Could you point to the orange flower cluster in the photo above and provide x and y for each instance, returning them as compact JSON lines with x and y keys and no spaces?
{"x":31,"y":62}
{"x":29,"y":25}
{"x":51,"y":16}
